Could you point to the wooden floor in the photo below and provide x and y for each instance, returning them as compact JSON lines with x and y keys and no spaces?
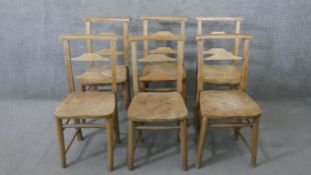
{"x":29,"y":146}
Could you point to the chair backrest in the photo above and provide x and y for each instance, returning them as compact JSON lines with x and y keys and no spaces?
{"x":147,"y":19}
{"x":125,"y":23}
{"x":245,"y":56}
{"x":87,"y":57}
{"x":156,"y":37}
{"x":236,"y":20}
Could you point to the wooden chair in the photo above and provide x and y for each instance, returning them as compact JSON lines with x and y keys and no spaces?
{"x":156,"y":107}
{"x":159,"y":72}
{"x":230,"y":105}
{"x":93,"y":105}
{"x":93,"y":76}
{"x":220,"y":75}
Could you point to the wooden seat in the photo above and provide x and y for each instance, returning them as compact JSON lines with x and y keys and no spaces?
{"x":231,"y":108}
{"x":156,"y":107}
{"x":97,"y":75}
{"x":87,"y":105}
{"x":221,"y":74}
{"x":82,"y":106}
{"x":160,"y":72}
{"x":228,"y":104}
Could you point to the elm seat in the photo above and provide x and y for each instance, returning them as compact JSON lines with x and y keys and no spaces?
{"x":228,"y":104}
{"x":102,"y":75}
{"x":154,"y":107}
{"x":87,"y":105}
{"x":160,"y":72}
{"x":221,"y":74}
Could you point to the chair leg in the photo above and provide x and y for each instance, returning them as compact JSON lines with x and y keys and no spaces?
{"x":254,"y":141}
{"x":201,"y":142}
{"x":61,"y":142}
{"x":79,"y":136}
{"x":237,"y":130}
{"x":183,"y":139}
{"x":126,"y":94}
{"x":110,"y":142}
{"x":116,"y":126}
{"x":131,"y":144}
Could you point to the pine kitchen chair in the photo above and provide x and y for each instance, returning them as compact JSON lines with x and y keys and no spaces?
{"x":95,"y":105}
{"x":234,"y":106}
{"x":161,"y":72}
{"x":225,"y":74}
{"x":155,"y":108}
{"x":93,"y":76}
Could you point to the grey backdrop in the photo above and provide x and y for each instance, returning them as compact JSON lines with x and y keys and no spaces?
{"x":32,"y":64}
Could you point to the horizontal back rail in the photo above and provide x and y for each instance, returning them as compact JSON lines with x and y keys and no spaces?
{"x":88,"y":37}
{"x":223,"y":36}
{"x":164,"y":18}
{"x":218,"y":18}
{"x":106,"y":19}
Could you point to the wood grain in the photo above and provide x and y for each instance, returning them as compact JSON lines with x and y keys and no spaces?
{"x":90,"y":105}
{"x":224,"y":104}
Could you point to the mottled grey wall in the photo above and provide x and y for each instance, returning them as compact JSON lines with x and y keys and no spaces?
{"x":32,"y":56}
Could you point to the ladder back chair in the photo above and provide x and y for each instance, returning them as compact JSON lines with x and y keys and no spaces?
{"x":215,"y":74}
{"x":222,"y":75}
{"x":161,"y":72}
{"x":93,"y":76}
{"x":232,"y":105}
{"x":157,"y":107}
{"x":95,"y":105}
